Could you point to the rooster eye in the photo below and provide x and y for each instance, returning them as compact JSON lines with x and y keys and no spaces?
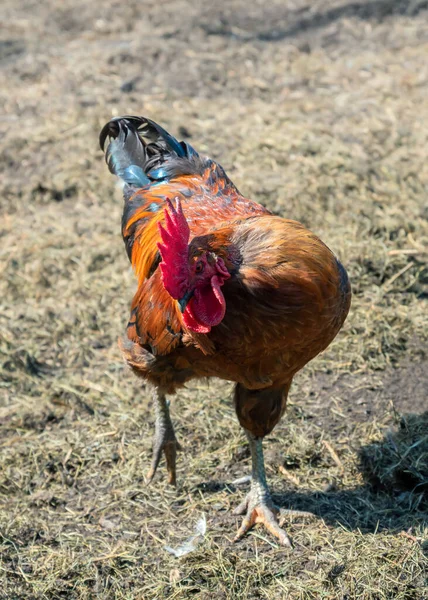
{"x":199,"y":267}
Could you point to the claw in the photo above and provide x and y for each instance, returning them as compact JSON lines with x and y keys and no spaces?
{"x":169,"y":449}
{"x":261,"y":513}
{"x":266,"y":513}
{"x":241,"y":509}
{"x":164,"y":440}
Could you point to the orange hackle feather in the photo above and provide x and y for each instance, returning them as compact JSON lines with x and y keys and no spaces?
{"x":158,"y":321}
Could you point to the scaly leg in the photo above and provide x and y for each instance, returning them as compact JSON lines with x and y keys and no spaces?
{"x":258,"y":506}
{"x":164,"y":439}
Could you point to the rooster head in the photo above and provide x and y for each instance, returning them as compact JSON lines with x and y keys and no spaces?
{"x":193,"y":277}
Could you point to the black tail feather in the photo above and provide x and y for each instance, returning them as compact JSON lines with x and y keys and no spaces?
{"x":141,"y":152}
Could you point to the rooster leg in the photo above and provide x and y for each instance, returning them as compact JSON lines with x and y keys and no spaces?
{"x":258,"y":506}
{"x":164,"y":440}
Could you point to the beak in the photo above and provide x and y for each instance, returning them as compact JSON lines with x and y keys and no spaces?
{"x":183,"y":302}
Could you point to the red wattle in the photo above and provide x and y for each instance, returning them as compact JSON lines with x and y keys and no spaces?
{"x":191,"y":322}
{"x":207,"y":307}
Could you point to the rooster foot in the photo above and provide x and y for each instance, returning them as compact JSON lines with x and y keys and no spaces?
{"x":168,"y":446}
{"x":263,"y":510}
{"x":260,"y":511}
{"x":164,"y":440}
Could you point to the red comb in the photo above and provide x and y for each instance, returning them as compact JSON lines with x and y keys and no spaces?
{"x":174,"y":250}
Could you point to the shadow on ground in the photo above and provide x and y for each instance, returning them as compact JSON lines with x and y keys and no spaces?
{"x":290,"y":23}
{"x":394,"y":496}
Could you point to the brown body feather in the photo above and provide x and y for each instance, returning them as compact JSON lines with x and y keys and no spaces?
{"x":286,"y":299}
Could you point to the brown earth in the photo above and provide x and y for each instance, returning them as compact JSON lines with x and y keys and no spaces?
{"x":320,"y":111}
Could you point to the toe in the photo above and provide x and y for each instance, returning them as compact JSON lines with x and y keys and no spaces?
{"x":246,"y":525}
{"x":157,"y":453}
{"x":283,"y":538}
{"x":150,"y":476}
{"x":170,"y":452}
{"x":269,"y":520}
{"x":263,"y":514}
{"x":286,"y":512}
{"x":169,"y":449}
{"x":241,"y":509}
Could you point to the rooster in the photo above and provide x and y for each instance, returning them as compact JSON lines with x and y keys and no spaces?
{"x":225,"y":289}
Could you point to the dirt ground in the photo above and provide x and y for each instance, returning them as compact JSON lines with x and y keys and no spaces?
{"x":319,"y":109}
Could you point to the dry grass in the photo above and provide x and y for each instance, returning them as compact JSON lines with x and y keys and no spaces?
{"x":317,"y":109}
